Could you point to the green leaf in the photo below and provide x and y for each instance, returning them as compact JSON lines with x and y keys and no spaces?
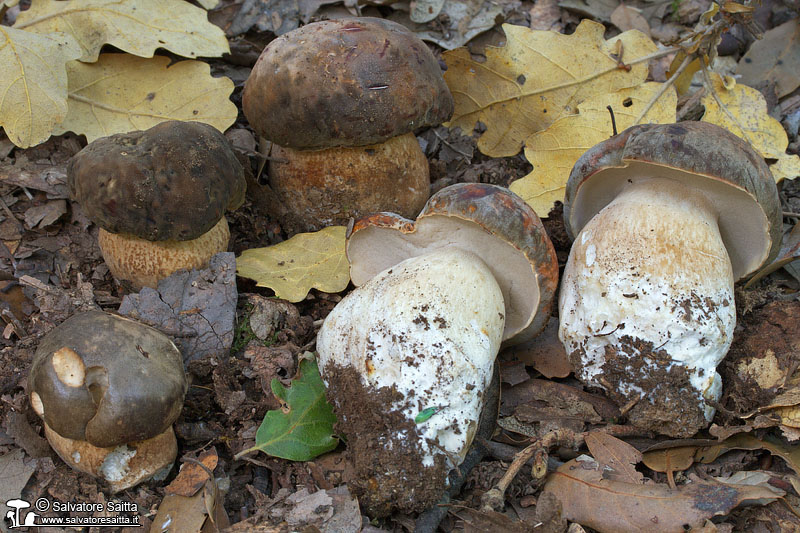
{"x":304,"y":428}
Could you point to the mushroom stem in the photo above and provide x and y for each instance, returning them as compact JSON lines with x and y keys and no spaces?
{"x":407,"y":359}
{"x":646,"y":307}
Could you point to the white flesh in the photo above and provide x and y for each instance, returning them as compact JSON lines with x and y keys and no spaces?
{"x":650,"y":266}
{"x":430,"y":326}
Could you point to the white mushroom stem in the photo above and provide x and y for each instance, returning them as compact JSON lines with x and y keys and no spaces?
{"x":649,"y":278}
{"x":431,"y":327}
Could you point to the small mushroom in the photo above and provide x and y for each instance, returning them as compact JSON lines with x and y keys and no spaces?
{"x":408,"y":356}
{"x":108,"y":390}
{"x":159,"y":197}
{"x":665,"y":219}
{"x":340,"y":99}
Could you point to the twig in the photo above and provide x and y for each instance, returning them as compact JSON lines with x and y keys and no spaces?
{"x":494,"y":500}
{"x":467,"y":156}
{"x":722,"y":106}
{"x":790,"y":215}
{"x":664,"y":86}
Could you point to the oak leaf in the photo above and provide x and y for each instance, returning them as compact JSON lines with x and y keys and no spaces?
{"x":121,"y":93}
{"x":554,"y":151}
{"x":615,"y":506}
{"x":33,"y":86}
{"x":743,"y":111}
{"x":135,"y":27}
{"x":293,"y":267}
{"x":538,"y":77}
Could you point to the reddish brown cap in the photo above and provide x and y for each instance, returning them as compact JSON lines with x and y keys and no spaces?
{"x":489,"y":221}
{"x":346,"y":82}
{"x":171,"y":182}
{"x":732,"y":176}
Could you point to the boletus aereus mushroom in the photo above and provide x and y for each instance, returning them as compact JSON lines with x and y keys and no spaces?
{"x":340,"y":100}
{"x":665,"y":218}
{"x":408,"y":356}
{"x":108,"y":390}
{"x":159,"y":197}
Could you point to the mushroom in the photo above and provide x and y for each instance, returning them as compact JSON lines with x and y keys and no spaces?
{"x":665,"y":218}
{"x":340,"y":100}
{"x":407,"y":357}
{"x":159,"y":197}
{"x":108,"y":390}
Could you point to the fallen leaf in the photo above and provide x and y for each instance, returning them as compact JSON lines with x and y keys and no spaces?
{"x":192,"y":476}
{"x":627,"y":17}
{"x":617,"y":507}
{"x":538,"y":77}
{"x":45,"y":214}
{"x":745,"y":114}
{"x":554,"y":151}
{"x":182,"y":514}
{"x":197,"y":308}
{"x":425,"y":10}
{"x":746,"y":441}
{"x":596,"y":9}
{"x":545,"y":353}
{"x":34,"y":83}
{"x":208,"y":4}
{"x":670,"y":459}
{"x":790,"y":251}
{"x":134,"y":27}
{"x":123,"y":93}
{"x":775,"y":58}
{"x":14,"y":475}
{"x":304,"y":429}
{"x":462,"y":21}
{"x":617,"y":455}
{"x":293,"y":267}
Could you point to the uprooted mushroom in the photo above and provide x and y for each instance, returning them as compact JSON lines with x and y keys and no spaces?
{"x":108,"y":390}
{"x":408,"y":356}
{"x":159,"y":197}
{"x":665,"y":218}
{"x":340,"y":100}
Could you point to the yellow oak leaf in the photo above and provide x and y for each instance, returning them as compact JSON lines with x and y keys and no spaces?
{"x":538,"y":77}
{"x":136,"y":27}
{"x":743,"y":111}
{"x":33,"y":84}
{"x":293,"y":267}
{"x":554,"y":151}
{"x":123,"y":93}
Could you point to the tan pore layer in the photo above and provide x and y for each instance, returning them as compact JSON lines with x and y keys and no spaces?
{"x":144,"y":263}
{"x":151,"y":456}
{"x":327,"y":187}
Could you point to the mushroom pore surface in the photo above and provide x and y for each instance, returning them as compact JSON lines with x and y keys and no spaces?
{"x":646,"y":306}
{"x":421,"y":335}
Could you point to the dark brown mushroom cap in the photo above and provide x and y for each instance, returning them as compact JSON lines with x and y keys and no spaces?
{"x":489,"y":221}
{"x":346,"y":82}
{"x":733,"y":177}
{"x":171,"y":182}
{"x":133,"y":380}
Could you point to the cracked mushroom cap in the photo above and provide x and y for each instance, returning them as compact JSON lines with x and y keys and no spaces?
{"x":488,"y":221}
{"x":346,"y":82}
{"x":171,"y":182}
{"x":726,"y":169}
{"x":107,"y":380}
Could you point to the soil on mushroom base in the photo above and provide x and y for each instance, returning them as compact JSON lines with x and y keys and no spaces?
{"x":383,"y":447}
{"x":638,"y":362}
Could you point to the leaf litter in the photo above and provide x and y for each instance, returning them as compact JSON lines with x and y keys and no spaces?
{"x":237,"y":380}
